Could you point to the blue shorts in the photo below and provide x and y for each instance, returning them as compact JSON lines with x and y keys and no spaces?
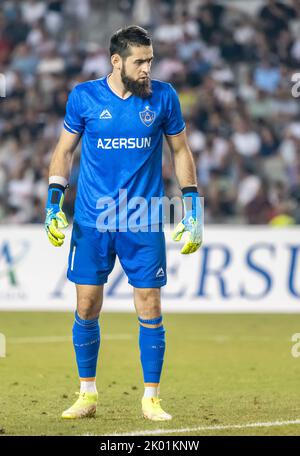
{"x":93,"y":254}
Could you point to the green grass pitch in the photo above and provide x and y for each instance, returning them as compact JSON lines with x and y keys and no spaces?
{"x":220,"y":370}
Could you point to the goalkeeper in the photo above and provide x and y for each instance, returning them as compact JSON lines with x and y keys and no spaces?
{"x":121,"y":119}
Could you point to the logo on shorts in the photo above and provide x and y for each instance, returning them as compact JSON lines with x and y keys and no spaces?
{"x":160,"y":273}
{"x":147,"y":116}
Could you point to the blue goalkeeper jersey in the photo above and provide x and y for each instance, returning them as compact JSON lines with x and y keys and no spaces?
{"x":121,"y":156}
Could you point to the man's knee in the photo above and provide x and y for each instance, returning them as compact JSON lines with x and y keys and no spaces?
{"x":147,"y":301}
{"x":87,"y":309}
{"x":89,"y":302}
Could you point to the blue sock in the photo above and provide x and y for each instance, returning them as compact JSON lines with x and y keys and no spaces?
{"x":86,"y":341}
{"x":152,"y":350}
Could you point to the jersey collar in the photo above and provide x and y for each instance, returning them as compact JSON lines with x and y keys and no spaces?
{"x":112,"y":90}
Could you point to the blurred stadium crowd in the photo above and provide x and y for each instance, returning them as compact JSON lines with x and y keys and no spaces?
{"x":231,"y":67}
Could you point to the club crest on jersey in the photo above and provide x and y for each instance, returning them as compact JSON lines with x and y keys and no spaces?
{"x":147,"y":116}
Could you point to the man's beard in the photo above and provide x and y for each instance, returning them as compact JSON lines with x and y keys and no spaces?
{"x":140,"y":88}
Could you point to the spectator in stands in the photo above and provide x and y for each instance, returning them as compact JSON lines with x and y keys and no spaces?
{"x":232,"y":70}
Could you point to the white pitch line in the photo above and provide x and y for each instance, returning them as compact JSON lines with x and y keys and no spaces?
{"x":52,"y":339}
{"x":205,"y":428}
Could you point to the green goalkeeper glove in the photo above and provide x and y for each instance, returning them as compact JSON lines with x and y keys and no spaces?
{"x":55,"y":217}
{"x":192,"y":223}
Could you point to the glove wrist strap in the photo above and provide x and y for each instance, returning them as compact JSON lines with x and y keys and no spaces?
{"x":58,"y":187}
{"x":191,"y":189}
{"x":191,"y":200}
{"x":56,"y":194}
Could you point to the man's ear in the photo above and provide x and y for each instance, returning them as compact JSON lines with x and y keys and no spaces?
{"x":116,"y":61}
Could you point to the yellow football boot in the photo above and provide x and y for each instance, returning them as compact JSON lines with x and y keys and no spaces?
{"x":84,"y":407}
{"x":152,"y":410}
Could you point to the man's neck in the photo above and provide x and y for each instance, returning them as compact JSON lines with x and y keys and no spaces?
{"x":116,"y":84}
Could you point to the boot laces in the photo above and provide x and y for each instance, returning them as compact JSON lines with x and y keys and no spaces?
{"x":156,"y":402}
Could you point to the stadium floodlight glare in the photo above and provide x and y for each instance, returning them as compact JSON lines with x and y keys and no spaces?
{"x":2,"y":346}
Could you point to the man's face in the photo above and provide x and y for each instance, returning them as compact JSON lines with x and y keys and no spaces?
{"x":135,"y":72}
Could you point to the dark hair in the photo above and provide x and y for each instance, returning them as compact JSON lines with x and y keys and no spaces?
{"x":133,"y":35}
